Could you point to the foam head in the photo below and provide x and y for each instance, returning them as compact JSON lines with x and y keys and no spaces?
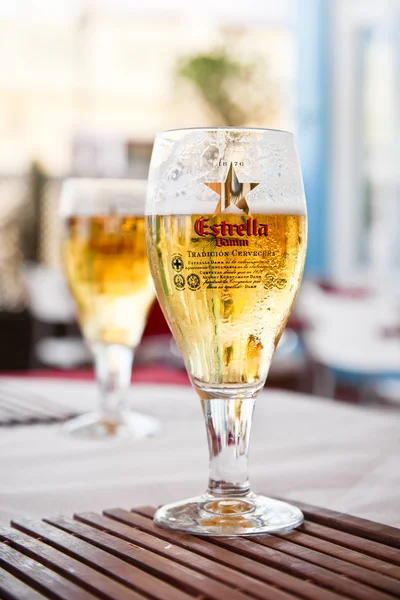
{"x":185,"y":162}
{"x":100,"y":197}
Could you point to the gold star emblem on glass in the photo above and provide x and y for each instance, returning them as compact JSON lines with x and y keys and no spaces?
{"x":104,"y":254}
{"x":226,"y":240}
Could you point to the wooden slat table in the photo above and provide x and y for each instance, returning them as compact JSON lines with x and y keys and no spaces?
{"x":122,"y":555}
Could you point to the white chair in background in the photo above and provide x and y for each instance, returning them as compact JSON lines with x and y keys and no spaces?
{"x":345,"y":338}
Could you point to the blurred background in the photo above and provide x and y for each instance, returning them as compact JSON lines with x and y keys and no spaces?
{"x":86,"y":84}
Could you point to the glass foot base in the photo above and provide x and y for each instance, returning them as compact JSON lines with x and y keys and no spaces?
{"x":95,"y":425}
{"x":209,"y":515}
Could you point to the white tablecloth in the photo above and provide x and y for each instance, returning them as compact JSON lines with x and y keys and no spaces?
{"x":328,"y":454}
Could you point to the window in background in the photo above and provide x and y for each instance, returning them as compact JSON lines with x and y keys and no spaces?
{"x":364,"y":214}
{"x":379,"y":237}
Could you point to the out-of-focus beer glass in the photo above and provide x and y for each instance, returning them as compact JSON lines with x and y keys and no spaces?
{"x":104,"y":255}
{"x":226,"y":239}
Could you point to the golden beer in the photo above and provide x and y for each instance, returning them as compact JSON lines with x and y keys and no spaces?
{"x":226,"y":284}
{"x":108,"y":272}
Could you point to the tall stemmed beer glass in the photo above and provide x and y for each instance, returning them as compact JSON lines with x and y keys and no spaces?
{"x":105,"y":260}
{"x":226,"y":239}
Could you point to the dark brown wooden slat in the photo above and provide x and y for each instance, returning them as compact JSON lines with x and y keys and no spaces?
{"x":323,"y":562}
{"x":162,"y":567}
{"x":104,"y":562}
{"x":39,"y":577}
{"x":354,"y":542}
{"x":68,"y":567}
{"x":372,"y":578}
{"x":233,"y":578}
{"x":12,"y":588}
{"x":363,"y":575}
{"x":315,"y":562}
{"x":145,"y":511}
{"x":338,"y":551}
{"x":286,"y":581}
{"x":303,"y":568}
{"x":383,"y":534}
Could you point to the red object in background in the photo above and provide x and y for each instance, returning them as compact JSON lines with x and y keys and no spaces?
{"x":156,"y":323}
{"x":348,"y":292}
{"x":391,"y":332}
{"x":296,"y":324}
{"x":156,"y":375}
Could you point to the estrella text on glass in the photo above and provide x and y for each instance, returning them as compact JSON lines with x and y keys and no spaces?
{"x":250,"y":227}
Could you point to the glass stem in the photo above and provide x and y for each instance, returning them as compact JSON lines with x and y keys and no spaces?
{"x":228,"y":423}
{"x":113,"y":367}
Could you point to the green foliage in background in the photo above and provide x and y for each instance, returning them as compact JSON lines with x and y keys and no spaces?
{"x":231,"y":89}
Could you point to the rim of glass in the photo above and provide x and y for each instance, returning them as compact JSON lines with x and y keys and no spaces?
{"x":165,"y":132}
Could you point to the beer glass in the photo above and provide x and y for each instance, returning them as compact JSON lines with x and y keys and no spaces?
{"x":226,"y":240}
{"x":104,"y":255}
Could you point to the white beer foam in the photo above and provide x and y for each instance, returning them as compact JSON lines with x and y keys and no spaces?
{"x":184,"y":161}
{"x":271,"y":210}
{"x":202,"y":207}
{"x":199,"y":199}
{"x":102,"y":197}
